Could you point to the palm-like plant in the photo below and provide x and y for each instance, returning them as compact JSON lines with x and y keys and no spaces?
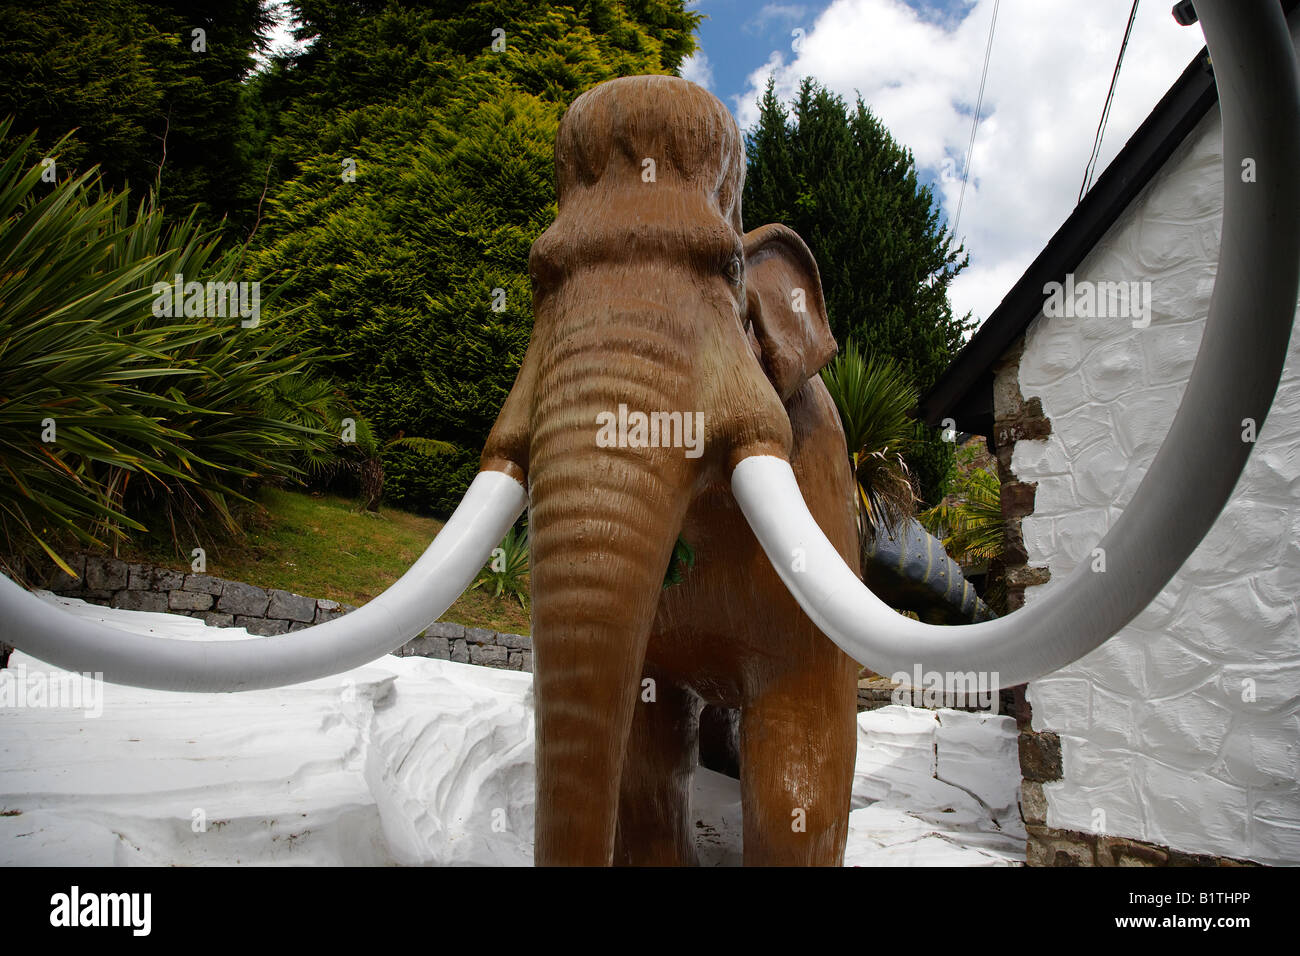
{"x":506,"y":573}
{"x":971,"y":526}
{"x":874,"y":399}
{"x":108,"y":413}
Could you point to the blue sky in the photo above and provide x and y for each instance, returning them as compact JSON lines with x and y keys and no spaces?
{"x":739,"y":35}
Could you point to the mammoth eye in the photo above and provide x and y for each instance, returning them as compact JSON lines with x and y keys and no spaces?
{"x":735,"y":270}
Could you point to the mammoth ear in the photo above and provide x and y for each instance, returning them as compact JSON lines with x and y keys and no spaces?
{"x":783,"y":299}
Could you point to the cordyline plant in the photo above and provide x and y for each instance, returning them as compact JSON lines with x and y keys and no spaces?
{"x":874,"y":399}
{"x":110,"y":416}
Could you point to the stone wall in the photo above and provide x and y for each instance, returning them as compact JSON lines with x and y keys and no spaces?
{"x":1181,"y":735}
{"x":266,"y":611}
{"x":1019,"y":420}
{"x":472,"y":645}
{"x":218,"y":602}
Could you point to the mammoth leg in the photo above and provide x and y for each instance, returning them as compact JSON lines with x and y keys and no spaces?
{"x":796,"y":774}
{"x":654,"y":807}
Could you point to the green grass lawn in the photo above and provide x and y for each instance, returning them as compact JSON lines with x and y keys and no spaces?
{"x":320,"y":546}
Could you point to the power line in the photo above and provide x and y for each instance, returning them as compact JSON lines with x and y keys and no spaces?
{"x":975,"y":121}
{"x":1091,"y":169}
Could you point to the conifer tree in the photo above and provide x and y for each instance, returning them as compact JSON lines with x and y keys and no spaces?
{"x":415,"y":147}
{"x":838,"y":178}
{"x":153,"y":89}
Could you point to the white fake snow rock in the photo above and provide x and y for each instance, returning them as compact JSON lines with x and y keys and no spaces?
{"x":411,"y":761}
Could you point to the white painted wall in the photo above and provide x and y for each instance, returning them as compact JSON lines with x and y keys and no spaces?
{"x":1158,"y":742}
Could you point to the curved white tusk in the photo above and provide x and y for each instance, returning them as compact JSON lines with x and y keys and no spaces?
{"x":1235,"y":376}
{"x":417,"y":599}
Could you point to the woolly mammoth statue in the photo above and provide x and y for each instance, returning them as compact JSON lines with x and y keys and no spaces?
{"x":656,"y":314}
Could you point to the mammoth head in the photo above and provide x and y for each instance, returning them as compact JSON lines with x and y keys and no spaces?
{"x":653,"y":167}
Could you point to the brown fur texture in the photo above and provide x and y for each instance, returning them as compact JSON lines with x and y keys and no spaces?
{"x":647,"y":294}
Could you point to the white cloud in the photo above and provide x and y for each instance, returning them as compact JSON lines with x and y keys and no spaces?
{"x":1050,"y":69}
{"x":696,"y":68}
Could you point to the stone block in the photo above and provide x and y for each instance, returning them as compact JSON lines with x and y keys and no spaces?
{"x":217,"y":619}
{"x":488,"y":655}
{"x":479,"y":635}
{"x":140,"y":601}
{"x":243,"y":599}
{"x":60,"y":582}
{"x":448,"y":630}
{"x":1025,"y":577}
{"x":1117,"y":851}
{"x":1188,"y":731}
{"x":1195,"y":809}
{"x":1040,"y":757}
{"x":1014,"y":549}
{"x":516,"y":642}
{"x":328,"y":611}
{"x":1049,"y":847}
{"x":106,"y":574}
{"x":291,"y":607}
{"x":1018,"y":498}
{"x":460,"y":652}
{"x":203,"y":582}
{"x":1007,"y":400}
{"x":1033,"y":803}
{"x":189,"y":601}
{"x":164,"y":579}
{"x":262,"y":626}
{"x":438,"y":648}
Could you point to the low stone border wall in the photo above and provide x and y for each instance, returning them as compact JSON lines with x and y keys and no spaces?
{"x":265,"y":611}
{"x":472,"y":645}
{"x":220,"y":603}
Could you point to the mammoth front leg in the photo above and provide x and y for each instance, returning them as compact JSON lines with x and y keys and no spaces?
{"x":654,"y":808}
{"x":798,"y":741}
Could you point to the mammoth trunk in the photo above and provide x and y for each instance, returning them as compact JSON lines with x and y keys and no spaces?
{"x":604,"y":519}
